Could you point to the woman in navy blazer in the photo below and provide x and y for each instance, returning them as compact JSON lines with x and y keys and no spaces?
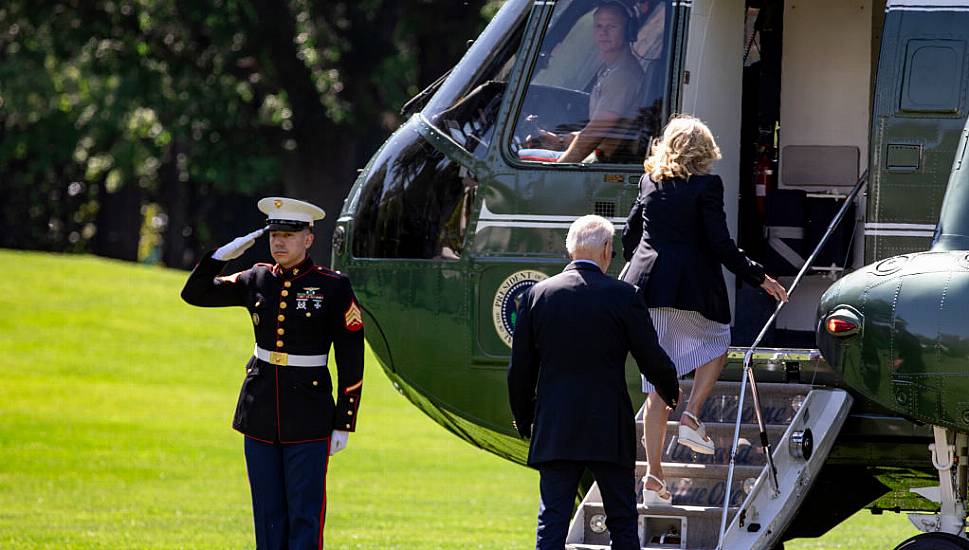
{"x":676,"y":240}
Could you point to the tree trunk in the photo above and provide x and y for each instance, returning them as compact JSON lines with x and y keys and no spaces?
{"x":309,"y":176}
{"x":119,"y":222}
{"x":324,"y":183}
{"x":461,"y":20}
{"x":175,"y":203}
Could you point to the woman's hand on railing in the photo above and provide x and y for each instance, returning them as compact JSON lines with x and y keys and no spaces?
{"x":774,"y":288}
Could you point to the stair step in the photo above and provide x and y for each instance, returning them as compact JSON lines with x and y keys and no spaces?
{"x":703,"y":524}
{"x":702,"y":484}
{"x":697,"y":484}
{"x":749,"y":451}
{"x":778,"y":402}
{"x":701,"y":471}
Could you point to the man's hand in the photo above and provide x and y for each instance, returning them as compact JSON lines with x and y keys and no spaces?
{"x":670,"y":407}
{"x":235,"y":248}
{"x":543,"y":139}
{"x":338,"y":441}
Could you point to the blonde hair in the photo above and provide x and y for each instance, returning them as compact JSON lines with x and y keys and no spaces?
{"x":686,"y":148}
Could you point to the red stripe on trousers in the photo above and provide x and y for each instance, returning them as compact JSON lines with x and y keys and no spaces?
{"x":326,"y":470}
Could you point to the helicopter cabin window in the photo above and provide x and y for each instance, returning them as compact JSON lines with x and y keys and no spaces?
{"x":466,"y":107}
{"x":415,"y":203}
{"x":415,"y":200}
{"x":597,"y":87}
{"x":933,"y":76}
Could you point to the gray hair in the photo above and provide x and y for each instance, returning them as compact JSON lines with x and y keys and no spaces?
{"x":589,"y":232}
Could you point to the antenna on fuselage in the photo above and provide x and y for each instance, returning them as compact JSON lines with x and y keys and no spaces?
{"x":416,"y":102}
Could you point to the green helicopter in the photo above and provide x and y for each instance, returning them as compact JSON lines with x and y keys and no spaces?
{"x":468,"y":203}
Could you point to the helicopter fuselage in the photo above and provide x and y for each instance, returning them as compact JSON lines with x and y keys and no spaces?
{"x":464,"y":207}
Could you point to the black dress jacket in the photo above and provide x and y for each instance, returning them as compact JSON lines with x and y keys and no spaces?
{"x":566,"y":381}
{"x":302,"y":311}
{"x":675,"y":241}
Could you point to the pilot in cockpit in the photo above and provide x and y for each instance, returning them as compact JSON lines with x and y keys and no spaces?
{"x":616,"y":91}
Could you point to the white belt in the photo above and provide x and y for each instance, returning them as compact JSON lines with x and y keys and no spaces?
{"x":289,"y":359}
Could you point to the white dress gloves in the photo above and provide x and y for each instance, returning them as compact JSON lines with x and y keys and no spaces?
{"x":338,"y":441}
{"x":235,"y":248}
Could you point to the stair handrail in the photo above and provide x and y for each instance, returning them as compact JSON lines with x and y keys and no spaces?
{"x":748,"y":372}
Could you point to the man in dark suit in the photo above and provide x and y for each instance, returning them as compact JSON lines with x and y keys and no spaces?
{"x":567,"y":384}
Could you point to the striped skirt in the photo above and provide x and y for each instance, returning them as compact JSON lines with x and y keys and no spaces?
{"x":690,"y":339}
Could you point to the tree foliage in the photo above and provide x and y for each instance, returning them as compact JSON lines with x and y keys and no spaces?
{"x":127,"y":122}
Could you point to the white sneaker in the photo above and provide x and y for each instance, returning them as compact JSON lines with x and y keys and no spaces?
{"x":653,"y":498}
{"x":697,"y":439}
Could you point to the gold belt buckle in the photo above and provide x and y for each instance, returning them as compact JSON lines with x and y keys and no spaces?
{"x":278,"y":358}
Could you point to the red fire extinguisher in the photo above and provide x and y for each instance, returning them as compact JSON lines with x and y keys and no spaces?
{"x":763,"y":180}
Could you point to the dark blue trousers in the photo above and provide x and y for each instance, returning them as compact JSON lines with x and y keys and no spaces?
{"x":288,"y":484}
{"x":559,"y":485}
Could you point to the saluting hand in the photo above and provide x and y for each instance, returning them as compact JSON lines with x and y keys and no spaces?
{"x":338,"y":441}
{"x":774,"y":288}
{"x":236,"y":247}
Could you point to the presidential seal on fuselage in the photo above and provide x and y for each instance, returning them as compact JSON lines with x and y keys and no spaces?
{"x":504,"y":308}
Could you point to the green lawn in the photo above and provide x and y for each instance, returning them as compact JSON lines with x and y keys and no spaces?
{"x":115,"y":405}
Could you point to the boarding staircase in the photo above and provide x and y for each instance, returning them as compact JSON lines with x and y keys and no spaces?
{"x":698,"y":481}
{"x":772,"y":440}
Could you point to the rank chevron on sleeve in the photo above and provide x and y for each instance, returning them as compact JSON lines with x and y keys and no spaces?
{"x":353,"y":319}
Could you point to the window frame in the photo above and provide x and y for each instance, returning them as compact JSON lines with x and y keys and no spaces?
{"x":531,"y":57}
{"x":453,"y":153}
{"x":908,"y":50}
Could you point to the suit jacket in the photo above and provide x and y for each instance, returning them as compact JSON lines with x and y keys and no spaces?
{"x":675,"y":241}
{"x":301,"y":310}
{"x":566,"y":381}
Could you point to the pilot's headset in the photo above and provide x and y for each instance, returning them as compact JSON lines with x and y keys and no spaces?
{"x":632,"y":20}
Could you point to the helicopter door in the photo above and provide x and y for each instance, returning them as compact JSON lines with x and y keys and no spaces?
{"x":595,"y":88}
{"x":919,"y":109}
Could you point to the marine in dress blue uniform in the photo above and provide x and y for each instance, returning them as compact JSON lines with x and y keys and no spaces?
{"x":286,"y":408}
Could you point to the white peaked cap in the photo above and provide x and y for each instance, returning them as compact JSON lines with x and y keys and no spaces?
{"x":291,"y":212}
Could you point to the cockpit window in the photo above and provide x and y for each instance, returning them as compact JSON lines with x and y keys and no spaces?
{"x":466,"y":106}
{"x":597,"y":88}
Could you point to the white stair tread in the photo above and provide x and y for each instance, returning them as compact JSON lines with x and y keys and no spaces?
{"x":605,"y":547}
{"x":723,"y":386}
{"x":709,"y":471}
{"x":669,"y":511}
